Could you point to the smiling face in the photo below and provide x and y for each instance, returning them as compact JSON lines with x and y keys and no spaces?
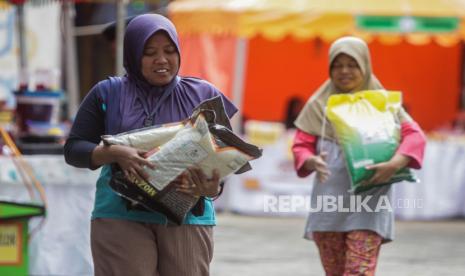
{"x":160,"y":60}
{"x":346,"y":73}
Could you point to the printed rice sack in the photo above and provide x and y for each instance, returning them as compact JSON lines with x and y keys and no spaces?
{"x":368,"y":130}
{"x":204,"y":140}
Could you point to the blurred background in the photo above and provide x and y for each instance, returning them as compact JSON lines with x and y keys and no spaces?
{"x":268,"y":57}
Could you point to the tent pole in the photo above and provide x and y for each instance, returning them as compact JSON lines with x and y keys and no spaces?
{"x":120,"y":27}
{"x":72,"y":74}
{"x":23,"y":66}
{"x":239,"y":81}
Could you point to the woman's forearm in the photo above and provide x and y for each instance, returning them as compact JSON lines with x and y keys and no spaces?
{"x":400,"y":161}
{"x":102,"y":155}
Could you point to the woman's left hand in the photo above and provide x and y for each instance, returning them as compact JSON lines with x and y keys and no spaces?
{"x":385,"y":170}
{"x":195,"y":182}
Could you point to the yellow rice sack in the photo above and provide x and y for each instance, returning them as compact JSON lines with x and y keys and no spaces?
{"x":368,"y":130}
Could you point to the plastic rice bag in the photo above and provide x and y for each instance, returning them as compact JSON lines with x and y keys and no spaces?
{"x":368,"y":130}
{"x":150,"y":137}
{"x":198,"y":141}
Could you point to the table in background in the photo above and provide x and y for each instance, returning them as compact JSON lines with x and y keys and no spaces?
{"x":440,"y":194}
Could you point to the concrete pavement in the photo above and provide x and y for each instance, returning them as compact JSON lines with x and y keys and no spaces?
{"x":272,"y":246}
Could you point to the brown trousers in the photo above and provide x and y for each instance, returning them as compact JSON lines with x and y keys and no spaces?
{"x":121,"y":247}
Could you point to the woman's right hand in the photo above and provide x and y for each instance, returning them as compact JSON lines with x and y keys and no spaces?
{"x":130,"y":160}
{"x":317,"y":163}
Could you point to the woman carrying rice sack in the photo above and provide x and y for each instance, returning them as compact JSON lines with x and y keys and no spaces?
{"x":348,"y":237}
{"x":126,"y":241}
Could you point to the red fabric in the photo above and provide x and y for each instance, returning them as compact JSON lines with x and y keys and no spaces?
{"x":210,"y":57}
{"x":398,"y":67}
{"x":413,"y":144}
{"x":303,"y":147}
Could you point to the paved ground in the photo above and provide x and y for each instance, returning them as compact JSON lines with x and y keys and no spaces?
{"x":256,"y":246}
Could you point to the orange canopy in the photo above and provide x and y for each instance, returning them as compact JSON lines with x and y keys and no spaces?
{"x":304,"y":19}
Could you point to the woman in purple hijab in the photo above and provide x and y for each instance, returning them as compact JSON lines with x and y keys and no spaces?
{"x":126,"y":241}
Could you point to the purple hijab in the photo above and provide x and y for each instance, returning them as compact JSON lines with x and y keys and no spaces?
{"x":170,"y":103}
{"x":138,"y":32}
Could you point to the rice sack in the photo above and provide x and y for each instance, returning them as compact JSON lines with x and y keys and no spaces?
{"x":368,"y":130}
{"x":197,"y":141}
